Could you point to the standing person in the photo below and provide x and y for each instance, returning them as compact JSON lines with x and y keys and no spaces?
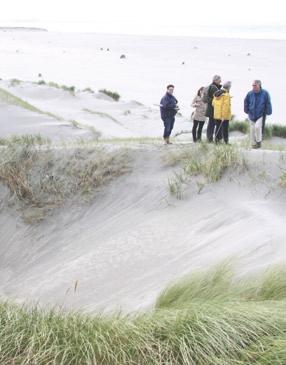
{"x":199,"y":115}
{"x":168,"y":109}
{"x":208,"y":98}
{"x":222,"y":112}
{"x":257,"y":105}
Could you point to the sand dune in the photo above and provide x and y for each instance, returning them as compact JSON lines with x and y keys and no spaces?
{"x":123,"y":248}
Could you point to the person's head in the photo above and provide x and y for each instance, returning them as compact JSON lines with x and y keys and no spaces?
{"x":170,"y":89}
{"x":227,"y":85}
{"x":217,"y":79}
{"x":256,"y":86}
{"x":200,"y":91}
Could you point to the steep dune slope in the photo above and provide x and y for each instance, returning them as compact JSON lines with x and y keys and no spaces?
{"x":123,"y":248}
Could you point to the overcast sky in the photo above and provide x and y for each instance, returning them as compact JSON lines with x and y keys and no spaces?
{"x":147,"y":15}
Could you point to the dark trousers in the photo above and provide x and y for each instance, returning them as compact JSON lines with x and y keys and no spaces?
{"x":221,"y":130}
{"x":263,"y":124}
{"x":210,"y":129}
{"x":197,"y":130}
{"x":168,"y":124}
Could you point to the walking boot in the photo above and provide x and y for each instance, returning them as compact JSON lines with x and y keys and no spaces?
{"x":168,"y":141}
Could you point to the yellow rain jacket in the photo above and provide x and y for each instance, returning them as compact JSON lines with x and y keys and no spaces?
{"x":222,"y":106}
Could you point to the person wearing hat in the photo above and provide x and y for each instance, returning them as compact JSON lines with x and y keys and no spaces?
{"x":222,"y":112}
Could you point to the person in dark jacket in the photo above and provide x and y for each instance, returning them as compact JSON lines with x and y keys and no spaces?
{"x":214,"y":86}
{"x":168,"y":110}
{"x":257,"y":105}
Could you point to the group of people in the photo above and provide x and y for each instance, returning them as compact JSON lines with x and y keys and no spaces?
{"x":214,"y":103}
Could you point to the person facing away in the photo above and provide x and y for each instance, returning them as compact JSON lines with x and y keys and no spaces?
{"x":222,"y":112}
{"x":213,"y":87}
{"x":199,"y":115}
{"x":168,"y":110}
{"x":257,"y":105}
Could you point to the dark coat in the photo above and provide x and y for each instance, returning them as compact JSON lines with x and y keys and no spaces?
{"x":168,"y":106}
{"x":210,"y":109}
{"x":257,"y":105}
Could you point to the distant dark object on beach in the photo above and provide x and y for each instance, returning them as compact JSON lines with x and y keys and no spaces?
{"x":28,"y":29}
{"x":195,"y":47}
{"x":39,"y":75}
{"x":107,"y":49}
{"x":122,"y":56}
{"x":248,"y":54}
{"x":183,"y":63}
{"x":101,"y":49}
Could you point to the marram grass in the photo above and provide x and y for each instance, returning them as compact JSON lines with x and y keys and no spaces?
{"x":207,"y":319}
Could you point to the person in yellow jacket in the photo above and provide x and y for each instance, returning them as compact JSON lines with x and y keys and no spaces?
{"x":222,"y":112}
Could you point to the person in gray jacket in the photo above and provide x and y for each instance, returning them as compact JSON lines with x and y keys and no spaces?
{"x":199,"y":115}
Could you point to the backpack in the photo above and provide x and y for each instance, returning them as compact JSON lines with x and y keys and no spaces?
{"x":206,"y":97}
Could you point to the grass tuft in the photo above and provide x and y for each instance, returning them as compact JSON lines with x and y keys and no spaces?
{"x":209,"y":318}
{"x":203,"y":160}
{"x":114,"y":95}
{"x":43,"y":179}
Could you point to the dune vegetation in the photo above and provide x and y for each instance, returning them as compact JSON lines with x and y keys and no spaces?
{"x":271,"y":130}
{"x":114,"y":95}
{"x":204,"y":161}
{"x":42,"y":178}
{"x":207,"y":318}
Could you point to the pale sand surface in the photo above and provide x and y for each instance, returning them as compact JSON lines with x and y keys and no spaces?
{"x":134,"y":238}
{"x":150,"y":64}
{"x":123,"y":248}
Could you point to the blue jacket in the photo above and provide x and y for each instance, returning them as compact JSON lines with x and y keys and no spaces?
{"x":257,"y":105}
{"x":168,"y":105}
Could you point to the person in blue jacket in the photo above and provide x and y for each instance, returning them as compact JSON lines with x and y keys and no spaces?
{"x":168,"y":110}
{"x":257,"y":105}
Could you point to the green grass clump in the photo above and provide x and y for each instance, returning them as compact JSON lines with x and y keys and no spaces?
{"x":26,"y":139}
{"x":270,"y":130}
{"x":203,"y":160}
{"x":88,"y":90}
{"x":279,"y":130}
{"x":41,"y":82}
{"x":114,"y":95}
{"x":241,"y":126}
{"x":70,"y":89}
{"x":15,"y":82}
{"x":200,"y":320}
{"x":42,"y":179}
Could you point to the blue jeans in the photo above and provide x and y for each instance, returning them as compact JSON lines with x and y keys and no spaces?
{"x":168,"y":124}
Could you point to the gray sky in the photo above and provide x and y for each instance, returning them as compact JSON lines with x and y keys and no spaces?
{"x":158,"y":16}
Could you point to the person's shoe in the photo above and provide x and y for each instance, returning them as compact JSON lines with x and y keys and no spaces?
{"x":165,"y":140}
{"x":257,"y":145}
{"x":168,"y":140}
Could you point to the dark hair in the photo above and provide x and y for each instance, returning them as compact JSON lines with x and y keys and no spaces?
{"x":199,"y":91}
{"x":170,"y":85}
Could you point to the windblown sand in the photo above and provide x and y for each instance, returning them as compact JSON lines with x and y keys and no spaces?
{"x":123,"y":248}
